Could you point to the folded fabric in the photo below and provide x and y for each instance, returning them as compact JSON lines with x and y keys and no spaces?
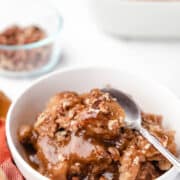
{"x":7,"y":166}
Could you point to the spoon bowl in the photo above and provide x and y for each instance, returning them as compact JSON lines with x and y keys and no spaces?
{"x":132,"y":111}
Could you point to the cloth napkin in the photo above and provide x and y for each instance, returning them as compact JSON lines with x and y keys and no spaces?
{"x":7,"y":166}
{"x":8,"y":170}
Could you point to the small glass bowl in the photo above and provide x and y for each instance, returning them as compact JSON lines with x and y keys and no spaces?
{"x":34,"y":58}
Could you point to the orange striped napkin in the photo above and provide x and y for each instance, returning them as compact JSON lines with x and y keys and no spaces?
{"x":8,"y":170}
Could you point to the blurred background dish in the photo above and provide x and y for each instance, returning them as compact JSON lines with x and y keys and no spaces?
{"x":138,"y":19}
{"x":29,"y":38}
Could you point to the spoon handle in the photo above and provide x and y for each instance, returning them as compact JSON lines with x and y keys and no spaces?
{"x":169,"y":156}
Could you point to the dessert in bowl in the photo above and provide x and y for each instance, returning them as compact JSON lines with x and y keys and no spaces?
{"x":110,"y":156}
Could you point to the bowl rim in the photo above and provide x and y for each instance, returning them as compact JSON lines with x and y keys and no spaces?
{"x":10,"y":142}
{"x":47,"y":40}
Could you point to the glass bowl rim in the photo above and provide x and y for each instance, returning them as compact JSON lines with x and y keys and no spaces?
{"x":49,"y":39}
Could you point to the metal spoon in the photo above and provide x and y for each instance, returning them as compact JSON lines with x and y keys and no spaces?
{"x":133,"y":120}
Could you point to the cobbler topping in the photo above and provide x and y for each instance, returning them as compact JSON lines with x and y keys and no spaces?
{"x":84,"y":137}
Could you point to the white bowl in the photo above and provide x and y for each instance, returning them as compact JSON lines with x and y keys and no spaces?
{"x":138,"y":18}
{"x":151,"y":96}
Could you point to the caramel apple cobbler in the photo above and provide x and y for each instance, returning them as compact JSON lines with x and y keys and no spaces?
{"x":84,"y":137}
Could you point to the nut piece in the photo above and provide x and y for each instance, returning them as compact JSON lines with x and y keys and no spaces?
{"x":102,"y":178}
{"x":113,"y":124}
{"x":114,"y":153}
{"x":24,"y":133}
{"x":164,"y":164}
{"x":75,"y":178}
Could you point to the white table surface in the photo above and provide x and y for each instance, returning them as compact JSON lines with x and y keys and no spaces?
{"x":85,"y":44}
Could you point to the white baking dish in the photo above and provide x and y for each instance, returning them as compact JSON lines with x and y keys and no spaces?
{"x":138,"y":19}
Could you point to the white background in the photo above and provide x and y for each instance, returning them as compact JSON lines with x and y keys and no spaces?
{"x":85,"y":44}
